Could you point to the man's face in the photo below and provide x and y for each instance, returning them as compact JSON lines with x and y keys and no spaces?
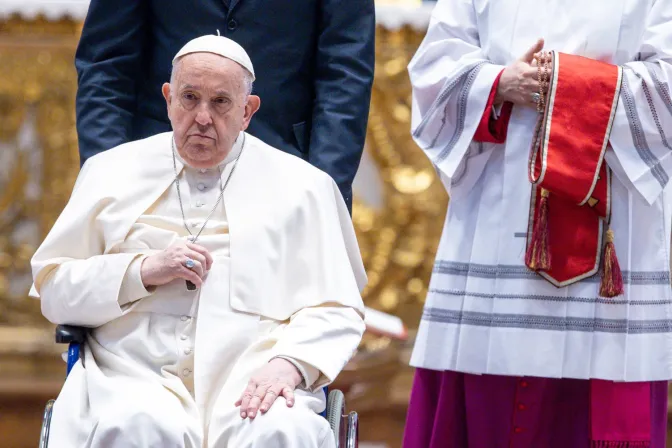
{"x":208,"y":106}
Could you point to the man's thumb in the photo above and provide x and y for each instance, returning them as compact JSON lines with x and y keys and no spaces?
{"x":536,"y":48}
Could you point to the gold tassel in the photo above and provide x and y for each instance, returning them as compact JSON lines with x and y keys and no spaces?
{"x":538,"y":256}
{"x":612,"y":278}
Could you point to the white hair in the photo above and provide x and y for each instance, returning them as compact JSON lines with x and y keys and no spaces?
{"x":247,"y":77}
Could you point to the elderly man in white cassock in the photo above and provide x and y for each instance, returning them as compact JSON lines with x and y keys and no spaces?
{"x":220,"y":279}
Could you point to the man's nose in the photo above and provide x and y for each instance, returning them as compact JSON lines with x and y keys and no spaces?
{"x":203,"y":116}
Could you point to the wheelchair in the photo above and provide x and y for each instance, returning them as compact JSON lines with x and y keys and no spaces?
{"x":344,"y":426}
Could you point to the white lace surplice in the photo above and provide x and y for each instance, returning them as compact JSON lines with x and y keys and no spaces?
{"x":485,"y":311}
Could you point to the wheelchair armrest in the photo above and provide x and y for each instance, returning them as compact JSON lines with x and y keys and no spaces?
{"x":66,"y":334}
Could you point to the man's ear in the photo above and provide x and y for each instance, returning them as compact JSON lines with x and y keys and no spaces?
{"x":165,"y":89}
{"x":252,"y":106}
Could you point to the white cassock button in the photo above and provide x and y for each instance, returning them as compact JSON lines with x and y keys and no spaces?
{"x":199,"y":203}
{"x":201,"y":187}
{"x":184,"y":318}
{"x":184,"y":337}
{"x":186,"y":372}
{"x":187,"y":351}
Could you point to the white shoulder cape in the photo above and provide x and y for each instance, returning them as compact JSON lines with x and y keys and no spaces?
{"x":292,"y":241}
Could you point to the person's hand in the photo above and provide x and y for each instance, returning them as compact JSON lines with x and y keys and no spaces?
{"x":519,"y":80}
{"x":169,"y":264}
{"x":278,"y":377}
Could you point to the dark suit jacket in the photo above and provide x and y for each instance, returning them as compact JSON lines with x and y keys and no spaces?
{"x":314,"y":62}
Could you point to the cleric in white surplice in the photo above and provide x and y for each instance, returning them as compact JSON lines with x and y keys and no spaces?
{"x":508,"y":354}
{"x":276,"y":311}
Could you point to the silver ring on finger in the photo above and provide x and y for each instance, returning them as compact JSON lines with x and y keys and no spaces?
{"x":189,"y":263}
{"x":536,"y":98}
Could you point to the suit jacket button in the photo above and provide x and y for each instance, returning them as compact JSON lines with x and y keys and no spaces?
{"x":233,"y":24}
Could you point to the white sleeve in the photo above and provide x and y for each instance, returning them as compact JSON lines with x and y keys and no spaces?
{"x":641,"y":135}
{"x":132,"y":287}
{"x":323,"y":337}
{"x":83,"y":292}
{"x":451,"y":80}
{"x":309,"y":373}
{"x":76,"y":282}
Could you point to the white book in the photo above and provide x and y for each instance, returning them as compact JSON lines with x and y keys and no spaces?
{"x":385,"y":324}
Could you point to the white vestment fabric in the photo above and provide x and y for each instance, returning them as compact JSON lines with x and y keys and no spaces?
{"x":485,"y":311}
{"x":163,"y":369}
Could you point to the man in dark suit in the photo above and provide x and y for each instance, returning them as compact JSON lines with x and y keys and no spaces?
{"x":316,"y":58}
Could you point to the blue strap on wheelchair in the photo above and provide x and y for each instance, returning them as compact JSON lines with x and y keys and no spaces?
{"x":326,"y":396}
{"x":73,"y":356}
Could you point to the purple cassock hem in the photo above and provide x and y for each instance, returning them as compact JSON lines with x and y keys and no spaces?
{"x":458,"y":410}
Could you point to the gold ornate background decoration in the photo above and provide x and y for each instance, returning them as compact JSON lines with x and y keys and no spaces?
{"x":398,"y":241}
{"x":39,"y":163}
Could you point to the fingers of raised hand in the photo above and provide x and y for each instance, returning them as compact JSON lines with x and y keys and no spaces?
{"x":179,"y":257}
{"x":528,"y":56}
{"x":527,"y":71}
{"x":528,"y":86}
{"x":196,"y":255}
{"x":189,"y":274}
{"x":200,"y":264}
{"x":207,"y":258}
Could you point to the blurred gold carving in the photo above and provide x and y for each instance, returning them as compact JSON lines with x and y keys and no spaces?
{"x":399,"y":240}
{"x":38,"y":165}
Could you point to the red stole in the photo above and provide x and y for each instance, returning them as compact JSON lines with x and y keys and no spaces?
{"x":571,"y":200}
{"x":570,"y":209}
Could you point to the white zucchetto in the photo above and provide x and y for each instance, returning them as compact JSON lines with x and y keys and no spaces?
{"x":219,"y":45}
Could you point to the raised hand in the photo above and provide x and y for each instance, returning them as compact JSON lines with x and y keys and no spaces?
{"x":519,"y":83}
{"x":169,"y":264}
